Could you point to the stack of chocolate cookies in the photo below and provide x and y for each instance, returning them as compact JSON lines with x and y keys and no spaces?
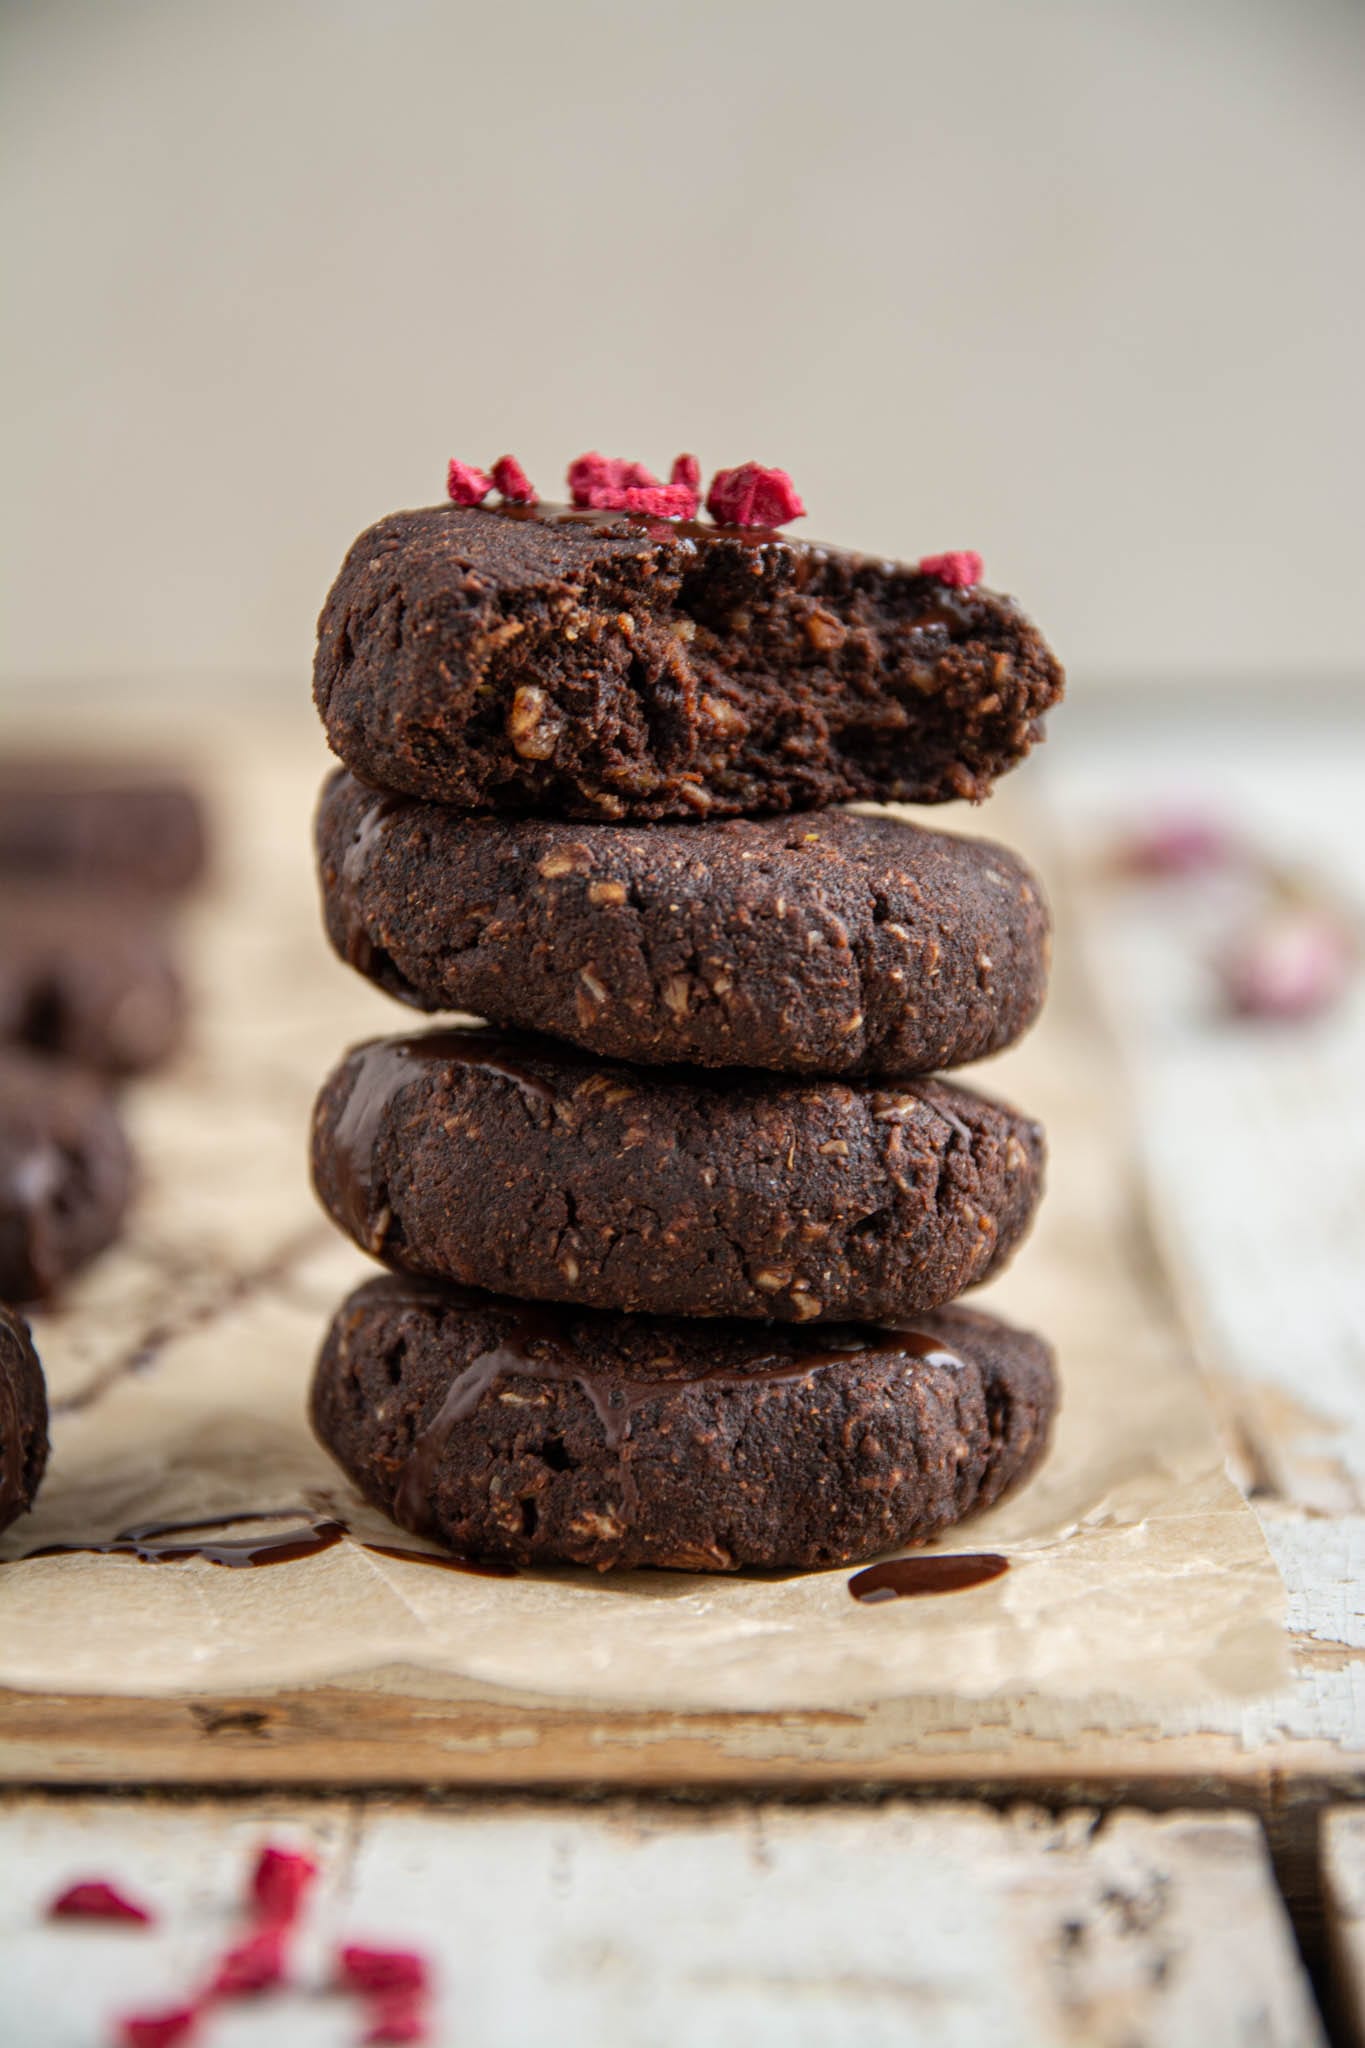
{"x":672,"y":1248}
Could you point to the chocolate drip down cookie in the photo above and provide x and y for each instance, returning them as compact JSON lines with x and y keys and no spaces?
{"x":598,"y":665}
{"x":523,"y":1167}
{"x":825,"y":943}
{"x":23,"y":1418}
{"x":541,"y":1436}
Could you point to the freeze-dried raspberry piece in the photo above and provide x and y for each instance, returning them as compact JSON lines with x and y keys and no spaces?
{"x":465,"y":484}
{"x":686,"y":470}
{"x":279,"y":1882}
{"x":94,"y":1899}
{"x":381,"y":1969}
{"x":398,"y":2017}
{"x":657,"y":501}
{"x":254,"y":1964}
{"x":959,"y":568}
{"x":512,"y":483}
{"x":1178,"y":844}
{"x":158,"y":2029}
{"x":1292,"y":964}
{"x":753,"y":496}
{"x":593,"y":472}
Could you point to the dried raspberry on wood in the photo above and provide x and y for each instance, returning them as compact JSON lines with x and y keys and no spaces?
{"x":466,"y":485}
{"x":383,"y":1970}
{"x":158,"y":2029}
{"x":960,"y":568}
{"x":94,"y":1899}
{"x":753,"y":496}
{"x":255,"y":1964}
{"x":279,"y":1884}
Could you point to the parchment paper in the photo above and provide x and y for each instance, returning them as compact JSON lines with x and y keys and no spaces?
{"x":179,"y":1366}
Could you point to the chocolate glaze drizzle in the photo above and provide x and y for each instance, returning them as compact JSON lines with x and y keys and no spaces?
{"x":536,"y":1346}
{"x":900,"y":1578}
{"x":380,"y":1072}
{"x":160,"y":1543}
{"x":360,"y":949}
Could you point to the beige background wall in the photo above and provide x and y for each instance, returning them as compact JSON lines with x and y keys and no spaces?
{"x":1079,"y":285}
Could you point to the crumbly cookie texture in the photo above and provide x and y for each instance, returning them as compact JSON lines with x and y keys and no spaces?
{"x":599,"y":665}
{"x":610,"y":1441}
{"x":522,"y":1167}
{"x":825,"y":943}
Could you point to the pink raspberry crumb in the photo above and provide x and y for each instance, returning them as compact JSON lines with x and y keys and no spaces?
{"x":656,"y":501}
{"x":959,"y":568}
{"x":753,"y":496}
{"x":251,"y":1965}
{"x":594,"y":473}
{"x":466,"y":485}
{"x":512,"y":483}
{"x":93,"y":1899}
{"x":158,"y":2029}
{"x":279,"y":1884}
{"x":686,"y":470}
{"x":397,"y":2017}
{"x":386,"y":1970}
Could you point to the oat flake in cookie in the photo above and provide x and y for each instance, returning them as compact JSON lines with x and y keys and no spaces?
{"x":527,"y":1168}
{"x":599,"y":664}
{"x":542,"y":1436}
{"x":23,"y":1418}
{"x":821,"y":943}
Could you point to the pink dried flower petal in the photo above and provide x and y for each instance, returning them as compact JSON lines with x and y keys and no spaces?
{"x":512,"y":483}
{"x":94,"y":1899}
{"x":686,"y":470}
{"x":466,"y":485}
{"x":658,"y":501}
{"x":158,"y":2029}
{"x":1174,"y":845}
{"x":959,"y":568}
{"x":1294,"y":964}
{"x":381,"y":1969}
{"x":594,"y":472}
{"x":400,"y":2017}
{"x":254,"y":1964}
{"x":279,"y":1884}
{"x":753,"y":496}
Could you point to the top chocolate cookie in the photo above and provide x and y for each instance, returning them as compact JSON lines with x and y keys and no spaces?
{"x":608,"y":665}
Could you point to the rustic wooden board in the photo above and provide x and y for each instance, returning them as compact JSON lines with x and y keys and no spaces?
{"x":932,"y":1926}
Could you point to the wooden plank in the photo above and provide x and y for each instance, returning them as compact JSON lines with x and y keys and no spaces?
{"x":875,"y":1926}
{"x":1343,"y":1892}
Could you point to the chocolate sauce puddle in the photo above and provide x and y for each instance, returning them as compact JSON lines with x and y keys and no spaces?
{"x":381,"y":1072}
{"x":615,"y":1398}
{"x":901,"y":1578}
{"x":159,"y":1543}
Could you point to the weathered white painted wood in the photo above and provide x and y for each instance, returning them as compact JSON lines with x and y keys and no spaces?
{"x":897,"y":1926}
{"x":1343,"y":1886}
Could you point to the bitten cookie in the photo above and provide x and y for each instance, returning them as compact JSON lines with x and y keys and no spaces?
{"x":65,"y":1173}
{"x":23,"y":1418}
{"x":827,"y":943}
{"x":87,"y":974}
{"x":516,"y":1165}
{"x":590,"y":664}
{"x":92,"y":821}
{"x":558,"y":1436}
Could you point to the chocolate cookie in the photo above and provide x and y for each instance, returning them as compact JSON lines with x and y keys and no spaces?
{"x":601,"y":665}
{"x":65,"y":1173}
{"x":87,"y":974}
{"x":829,"y":943}
{"x":517,"y":1165}
{"x":23,"y":1418}
{"x":93,"y":821}
{"x":557,"y":1436}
